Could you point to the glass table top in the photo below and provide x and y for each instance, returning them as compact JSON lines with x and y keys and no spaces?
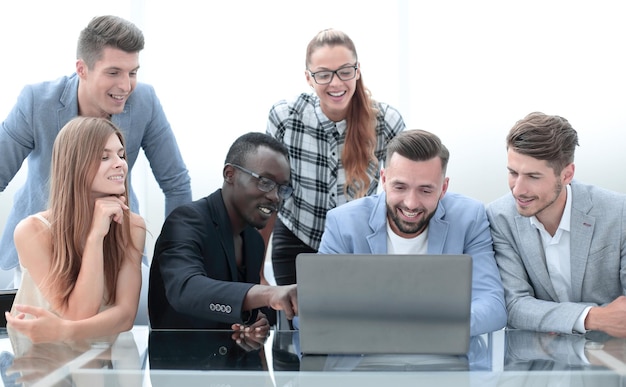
{"x":144,"y":357}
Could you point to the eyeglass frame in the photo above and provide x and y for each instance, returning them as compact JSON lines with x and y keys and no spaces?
{"x":333,"y":73}
{"x":266,"y":181}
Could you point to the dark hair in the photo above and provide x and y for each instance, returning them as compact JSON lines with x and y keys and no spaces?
{"x":418,"y":145}
{"x":248,"y":143}
{"x":103,"y":31}
{"x":544,"y":137}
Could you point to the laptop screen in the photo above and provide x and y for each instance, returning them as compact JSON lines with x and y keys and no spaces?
{"x":369,"y":303}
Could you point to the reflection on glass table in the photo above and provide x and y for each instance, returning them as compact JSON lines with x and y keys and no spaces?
{"x":198,"y":358}
{"x":526,"y":350}
{"x":217,"y":350}
{"x":478,"y":358}
{"x":204,"y":350}
{"x":50,"y":364}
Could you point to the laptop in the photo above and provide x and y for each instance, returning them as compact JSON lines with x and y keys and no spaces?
{"x":384,"y":303}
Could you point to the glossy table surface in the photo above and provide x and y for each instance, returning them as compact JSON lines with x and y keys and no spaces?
{"x":143,"y":357}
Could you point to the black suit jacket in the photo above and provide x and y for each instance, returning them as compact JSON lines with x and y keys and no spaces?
{"x":193,"y":275}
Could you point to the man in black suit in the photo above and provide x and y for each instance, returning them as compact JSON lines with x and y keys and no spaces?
{"x":205,"y":273}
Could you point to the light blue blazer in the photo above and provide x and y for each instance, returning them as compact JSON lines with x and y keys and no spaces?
{"x":32,"y":125}
{"x":598,"y":259}
{"x":459,"y":226}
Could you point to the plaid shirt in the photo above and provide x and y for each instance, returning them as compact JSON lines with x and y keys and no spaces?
{"x":315,"y":145}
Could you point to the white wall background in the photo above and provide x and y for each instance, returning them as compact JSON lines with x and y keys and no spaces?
{"x":466,"y":70}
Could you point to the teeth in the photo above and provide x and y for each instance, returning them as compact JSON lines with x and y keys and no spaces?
{"x":116,"y":178}
{"x":337,"y":94}
{"x":409,"y":214}
{"x":118,"y":97}
{"x":265,"y":210}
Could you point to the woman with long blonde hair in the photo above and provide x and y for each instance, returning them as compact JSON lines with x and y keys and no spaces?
{"x":81,"y":257}
{"x":336,"y":136}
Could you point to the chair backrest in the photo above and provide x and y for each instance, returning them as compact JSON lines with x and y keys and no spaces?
{"x":6,"y":302}
{"x":142,"y":311}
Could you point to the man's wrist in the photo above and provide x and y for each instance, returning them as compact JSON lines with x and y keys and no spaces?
{"x":580,"y":326}
{"x":591,"y":321}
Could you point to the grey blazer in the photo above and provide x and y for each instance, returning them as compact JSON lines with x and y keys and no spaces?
{"x":598,"y":259}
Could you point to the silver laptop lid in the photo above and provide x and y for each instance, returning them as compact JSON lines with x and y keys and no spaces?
{"x":366,"y":303}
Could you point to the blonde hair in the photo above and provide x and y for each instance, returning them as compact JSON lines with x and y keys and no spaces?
{"x":358,"y":151}
{"x":76,"y":157}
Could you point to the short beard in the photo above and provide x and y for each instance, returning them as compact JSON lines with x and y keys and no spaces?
{"x":558,"y":187}
{"x":410,"y":228}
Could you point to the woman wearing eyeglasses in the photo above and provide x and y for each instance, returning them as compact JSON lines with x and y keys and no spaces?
{"x":336,"y":138}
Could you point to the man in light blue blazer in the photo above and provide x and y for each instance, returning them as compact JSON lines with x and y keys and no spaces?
{"x":416,"y":215}
{"x":104,"y":85}
{"x":560,"y":245}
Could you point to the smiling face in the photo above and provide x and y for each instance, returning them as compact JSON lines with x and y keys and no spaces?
{"x":413,"y":190}
{"x":104,"y":89}
{"x":537,"y":190}
{"x":111,"y":176}
{"x":250,"y":205}
{"x":334,"y":97}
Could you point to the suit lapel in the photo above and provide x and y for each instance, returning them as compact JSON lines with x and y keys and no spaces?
{"x":377,"y":240}
{"x":582,"y":227}
{"x":68,"y":102}
{"x":223,"y":228}
{"x":534,"y":255}
{"x":226,"y":238}
{"x":437,"y":231}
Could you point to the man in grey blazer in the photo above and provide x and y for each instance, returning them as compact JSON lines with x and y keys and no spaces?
{"x":560,"y":245}
{"x":104,"y":85}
